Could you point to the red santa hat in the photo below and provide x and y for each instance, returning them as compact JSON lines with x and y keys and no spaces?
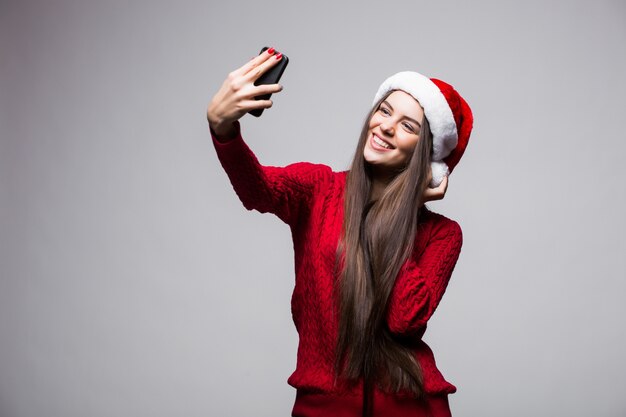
{"x":449,"y":116}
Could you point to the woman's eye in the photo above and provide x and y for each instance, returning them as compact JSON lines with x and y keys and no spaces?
{"x":409,"y":127}
{"x":384,"y":110}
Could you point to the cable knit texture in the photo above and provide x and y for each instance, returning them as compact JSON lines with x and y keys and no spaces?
{"x":309,"y":198}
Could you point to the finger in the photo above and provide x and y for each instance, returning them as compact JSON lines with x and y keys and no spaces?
{"x":256,"y":104}
{"x":254,"y":62}
{"x":259,"y":61}
{"x":265,"y":89}
{"x":444,"y":184}
{"x":440,"y":190}
{"x":429,"y":195}
{"x":433,"y":194}
{"x":257,"y":71}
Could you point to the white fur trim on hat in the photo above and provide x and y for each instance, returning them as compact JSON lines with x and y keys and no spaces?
{"x":436,"y":110}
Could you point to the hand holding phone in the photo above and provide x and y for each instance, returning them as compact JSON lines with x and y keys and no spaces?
{"x":271,"y":76}
{"x":246,"y":89}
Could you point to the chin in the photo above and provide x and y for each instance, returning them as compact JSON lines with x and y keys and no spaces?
{"x":369,"y":156}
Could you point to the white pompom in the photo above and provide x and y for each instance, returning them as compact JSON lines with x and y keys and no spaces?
{"x":440,"y":170}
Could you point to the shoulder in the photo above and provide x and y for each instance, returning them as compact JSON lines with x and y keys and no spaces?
{"x":303,"y":172}
{"x":307,"y":176}
{"x":310,"y":169}
{"x":438,"y":237}
{"x":316,"y":170}
{"x":440,"y":226}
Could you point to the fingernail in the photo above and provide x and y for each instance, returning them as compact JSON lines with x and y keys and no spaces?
{"x":271,"y":51}
{"x":279,"y":56}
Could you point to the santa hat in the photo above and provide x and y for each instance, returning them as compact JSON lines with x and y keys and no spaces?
{"x":449,"y":116}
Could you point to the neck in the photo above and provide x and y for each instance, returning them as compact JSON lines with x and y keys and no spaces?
{"x":378,"y":187}
{"x":380,"y":181}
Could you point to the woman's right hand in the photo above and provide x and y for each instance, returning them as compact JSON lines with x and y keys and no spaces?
{"x":236,"y":96}
{"x":437,"y":193}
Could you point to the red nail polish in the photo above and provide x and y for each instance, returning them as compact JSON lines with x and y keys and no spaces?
{"x":279,"y":56}
{"x":271,"y":51}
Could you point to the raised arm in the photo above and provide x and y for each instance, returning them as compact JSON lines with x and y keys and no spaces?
{"x":283,"y":191}
{"x":421,"y":284}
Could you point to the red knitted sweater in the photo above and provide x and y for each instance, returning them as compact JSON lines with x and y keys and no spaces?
{"x":309,"y":198}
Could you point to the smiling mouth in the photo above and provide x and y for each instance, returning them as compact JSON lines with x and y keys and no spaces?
{"x":379,"y":143}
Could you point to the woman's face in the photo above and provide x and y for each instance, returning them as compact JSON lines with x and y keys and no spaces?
{"x":395,"y":124}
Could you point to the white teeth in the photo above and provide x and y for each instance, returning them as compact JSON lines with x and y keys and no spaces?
{"x":381,"y":143}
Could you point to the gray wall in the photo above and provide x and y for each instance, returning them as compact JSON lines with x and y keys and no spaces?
{"x":134,"y":283}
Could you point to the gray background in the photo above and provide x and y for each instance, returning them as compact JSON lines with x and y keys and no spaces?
{"x":134,"y":283}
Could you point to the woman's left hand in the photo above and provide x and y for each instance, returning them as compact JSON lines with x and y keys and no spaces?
{"x":437,"y":193}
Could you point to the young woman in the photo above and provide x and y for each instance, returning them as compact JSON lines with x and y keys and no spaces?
{"x":371,"y":260}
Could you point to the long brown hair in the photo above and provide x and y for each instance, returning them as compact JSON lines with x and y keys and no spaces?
{"x":377,"y":239}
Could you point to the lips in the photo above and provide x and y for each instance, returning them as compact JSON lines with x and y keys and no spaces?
{"x":380,"y":147}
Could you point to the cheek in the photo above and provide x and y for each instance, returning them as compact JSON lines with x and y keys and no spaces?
{"x":407,"y":146}
{"x":374,"y":121}
{"x":408,"y":143}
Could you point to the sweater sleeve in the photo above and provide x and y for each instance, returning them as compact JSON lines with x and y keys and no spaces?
{"x":422,"y":282}
{"x":283,"y":191}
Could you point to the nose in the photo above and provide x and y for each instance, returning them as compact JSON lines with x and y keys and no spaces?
{"x":387,"y":127}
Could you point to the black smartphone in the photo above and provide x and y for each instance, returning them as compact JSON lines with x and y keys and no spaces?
{"x":271,"y":76}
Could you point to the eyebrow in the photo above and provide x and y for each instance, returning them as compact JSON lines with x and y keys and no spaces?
{"x":405,"y":117}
